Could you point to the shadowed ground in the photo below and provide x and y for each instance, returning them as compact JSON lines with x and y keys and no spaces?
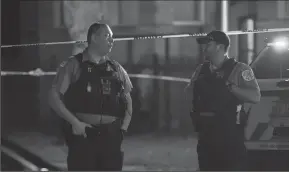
{"x":141,"y":152}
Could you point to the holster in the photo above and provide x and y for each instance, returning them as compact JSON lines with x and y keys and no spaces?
{"x":244,"y":116}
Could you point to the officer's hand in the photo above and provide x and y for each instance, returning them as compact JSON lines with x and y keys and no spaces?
{"x":79,"y":128}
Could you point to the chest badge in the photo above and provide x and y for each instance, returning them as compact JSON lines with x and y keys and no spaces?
{"x":108,"y":68}
{"x":106,"y":86}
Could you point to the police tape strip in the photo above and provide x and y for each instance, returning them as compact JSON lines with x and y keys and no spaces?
{"x":267,"y":145}
{"x":161,"y":36}
{"x":39,"y":72}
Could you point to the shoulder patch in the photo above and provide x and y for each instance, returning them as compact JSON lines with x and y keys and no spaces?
{"x":248,"y":75}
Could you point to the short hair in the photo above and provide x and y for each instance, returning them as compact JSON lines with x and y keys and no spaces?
{"x":92,"y":29}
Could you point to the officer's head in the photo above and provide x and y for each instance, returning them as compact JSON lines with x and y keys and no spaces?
{"x":99,"y":37}
{"x":216,"y":44}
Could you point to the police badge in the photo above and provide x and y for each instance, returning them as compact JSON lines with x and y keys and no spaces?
{"x":106,"y":86}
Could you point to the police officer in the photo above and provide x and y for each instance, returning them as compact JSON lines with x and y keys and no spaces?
{"x":91,"y":93}
{"x":221,"y":86}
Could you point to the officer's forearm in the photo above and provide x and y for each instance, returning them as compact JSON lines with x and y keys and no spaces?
{"x":246,"y":95}
{"x":58,"y":106}
{"x":128,"y":113}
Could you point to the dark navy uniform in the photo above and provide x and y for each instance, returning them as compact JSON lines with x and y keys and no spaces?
{"x":94,"y":90}
{"x":220,"y":88}
{"x":218,"y":117}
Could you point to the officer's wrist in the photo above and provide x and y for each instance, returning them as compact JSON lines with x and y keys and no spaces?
{"x":234,"y":88}
{"x":230,"y":86}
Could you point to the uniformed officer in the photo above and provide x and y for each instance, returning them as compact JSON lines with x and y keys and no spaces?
{"x":221,"y":86}
{"x":91,"y":93}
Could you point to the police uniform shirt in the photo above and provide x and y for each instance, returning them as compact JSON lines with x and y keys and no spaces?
{"x":68,"y":72}
{"x":241,"y":76}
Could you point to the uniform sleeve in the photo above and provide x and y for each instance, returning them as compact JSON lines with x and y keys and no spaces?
{"x":246,"y":77}
{"x":126,"y":80}
{"x":63,"y":77}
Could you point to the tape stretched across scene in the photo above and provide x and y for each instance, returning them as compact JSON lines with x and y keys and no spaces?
{"x":164,"y":36}
{"x":38,"y":73}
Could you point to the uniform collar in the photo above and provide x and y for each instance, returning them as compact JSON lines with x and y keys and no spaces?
{"x":86,"y":58}
{"x":226,"y":60}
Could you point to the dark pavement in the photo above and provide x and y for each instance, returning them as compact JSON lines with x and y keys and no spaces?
{"x":164,"y":153}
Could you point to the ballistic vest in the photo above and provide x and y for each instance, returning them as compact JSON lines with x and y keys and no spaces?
{"x":98,"y":90}
{"x":212,"y":95}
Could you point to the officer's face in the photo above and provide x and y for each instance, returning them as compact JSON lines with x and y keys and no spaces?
{"x":210,"y":50}
{"x":103,"y":40}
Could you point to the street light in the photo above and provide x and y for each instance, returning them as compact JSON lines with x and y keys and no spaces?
{"x":279,"y":43}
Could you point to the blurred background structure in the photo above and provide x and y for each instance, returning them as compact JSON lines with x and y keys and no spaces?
{"x":159,"y":106}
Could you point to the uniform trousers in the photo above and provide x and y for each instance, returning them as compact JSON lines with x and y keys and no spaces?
{"x":222,"y":151}
{"x":99,"y":151}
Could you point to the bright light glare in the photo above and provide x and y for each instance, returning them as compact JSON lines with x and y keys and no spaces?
{"x":44,"y":169}
{"x":282,"y":43}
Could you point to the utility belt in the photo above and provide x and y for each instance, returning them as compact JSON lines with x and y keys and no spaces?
{"x":103,"y":129}
{"x":204,"y":113}
{"x":205,"y":119}
{"x":117,"y":122}
{"x":94,"y":131}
